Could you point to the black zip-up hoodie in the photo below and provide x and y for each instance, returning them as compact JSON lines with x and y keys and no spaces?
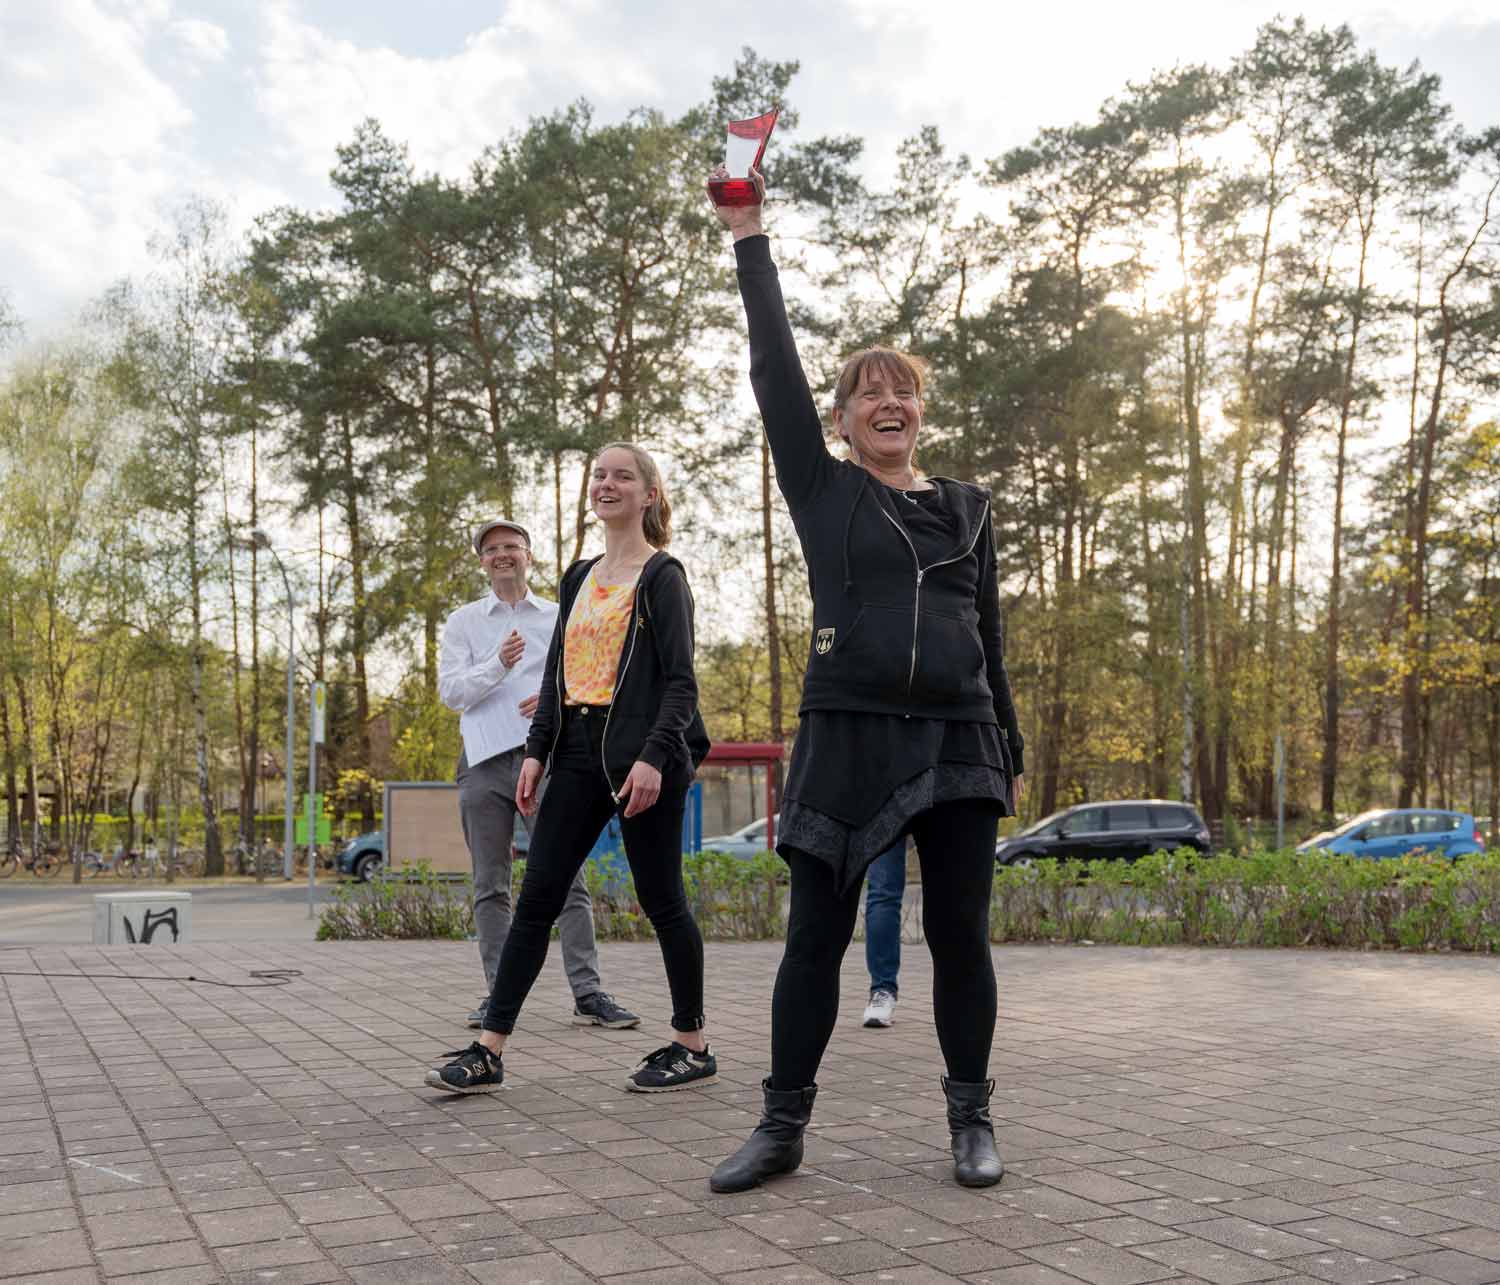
{"x":654,"y":715}
{"x":890,"y":636}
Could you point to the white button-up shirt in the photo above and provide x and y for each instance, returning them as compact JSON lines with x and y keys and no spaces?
{"x":472,"y":679}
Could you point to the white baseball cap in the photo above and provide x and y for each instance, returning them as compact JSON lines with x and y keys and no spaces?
{"x":485,"y":528}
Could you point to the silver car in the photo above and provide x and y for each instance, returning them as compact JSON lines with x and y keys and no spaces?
{"x":745,"y":842}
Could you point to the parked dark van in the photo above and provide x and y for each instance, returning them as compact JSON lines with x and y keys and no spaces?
{"x":1122,"y":829}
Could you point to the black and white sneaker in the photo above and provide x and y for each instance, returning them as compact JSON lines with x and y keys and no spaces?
{"x":476,"y":1018}
{"x":473,"y":1070}
{"x":674,"y":1066}
{"x":600,"y":1009}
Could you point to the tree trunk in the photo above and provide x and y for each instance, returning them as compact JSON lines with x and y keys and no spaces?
{"x":1331,"y":677}
{"x":213,"y":850}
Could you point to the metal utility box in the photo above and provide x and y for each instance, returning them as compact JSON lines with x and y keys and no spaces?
{"x":142,"y":918}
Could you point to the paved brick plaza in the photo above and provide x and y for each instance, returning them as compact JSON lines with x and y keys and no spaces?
{"x":1230,"y":1117}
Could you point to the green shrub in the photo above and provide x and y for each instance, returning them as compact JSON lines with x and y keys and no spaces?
{"x":416,"y":903}
{"x":1264,"y":898}
{"x":730,"y":898}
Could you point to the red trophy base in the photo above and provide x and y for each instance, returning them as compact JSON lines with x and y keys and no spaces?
{"x":733,"y":191}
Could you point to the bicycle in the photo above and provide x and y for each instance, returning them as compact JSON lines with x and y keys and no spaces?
{"x":190,"y":862}
{"x":247,"y":859}
{"x":43,"y":864}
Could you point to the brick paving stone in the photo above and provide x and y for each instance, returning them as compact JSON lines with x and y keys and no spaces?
{"x":31,"y":1255}
{"x":852,"y":1256}
{"x":1032,"y":1274}
{"x":614,"y":1252}
{"x":154,"y":1227}
{"x":427,"y":1270}
{"x":268,"y":1254}
{"x":725,"y":1251}
{"x":1343,"y":1268}
{"x":532,"y":1269}
{"x":242,"y":1226}
{"x":1124,"y":1231}
{"x":901,"y":1227}
{"x":1270,"y":1210}
{"x":1098,"y":1264}
{"x":666,"y":1276}
{"x":1357,"y":1237}
{"x":1254,"y":1238}
{"x":1484,"y":1241}
{"x":1453,"y":1266}
{"x":792,"y":1274}
{"x":917,"y":1275}
{"x":1211,"y":1262}
{"x":143,"y":1258}
{"x":965,"y":1257}
{"x":200,"y":1275}
{"x":318,"y":1273}
{"x":795,"y":1228}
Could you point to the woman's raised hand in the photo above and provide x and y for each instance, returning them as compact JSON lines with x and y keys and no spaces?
{"x":742,"y":220}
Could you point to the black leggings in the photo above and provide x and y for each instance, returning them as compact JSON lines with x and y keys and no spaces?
{"x":575,"y":808}
{"x":956,"y":844}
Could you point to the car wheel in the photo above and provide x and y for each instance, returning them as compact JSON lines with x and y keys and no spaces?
{"x":1024,"y":861}
{"x":367,"y":866}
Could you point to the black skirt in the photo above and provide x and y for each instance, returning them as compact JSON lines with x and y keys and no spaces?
{"x":857,"y":780}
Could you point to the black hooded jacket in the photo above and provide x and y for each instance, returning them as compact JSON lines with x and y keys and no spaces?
{"x":890,"y":634}
{"x":654,"y":715}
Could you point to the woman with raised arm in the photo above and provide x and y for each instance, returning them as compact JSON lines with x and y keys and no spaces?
{"x":617,"y":716}
{"x":907,"y":725}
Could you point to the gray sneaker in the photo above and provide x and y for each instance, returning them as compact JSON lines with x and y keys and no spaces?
{"x":881,"y":1010}
{"x":600,"y":1009}
{"x":476,"y":1018}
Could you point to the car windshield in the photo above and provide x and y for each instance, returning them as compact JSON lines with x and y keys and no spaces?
{"x":1044,"y":823}
{"x":1354,"y":823}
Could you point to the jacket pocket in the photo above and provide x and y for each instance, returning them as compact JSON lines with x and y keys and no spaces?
{"x":874,"y":653}
{"x":949,"y":657}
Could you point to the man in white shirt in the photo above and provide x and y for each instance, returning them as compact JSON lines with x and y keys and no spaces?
{"x":490,"y":667}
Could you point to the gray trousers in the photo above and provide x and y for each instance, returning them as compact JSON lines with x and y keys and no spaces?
{"x":487,"y":808}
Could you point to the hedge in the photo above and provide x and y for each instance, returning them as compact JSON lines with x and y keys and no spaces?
{"x":1264,"y":898}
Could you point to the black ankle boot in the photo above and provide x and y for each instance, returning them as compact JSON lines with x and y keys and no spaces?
{"x":976,"y":1163}
{"x":775,"y":1146}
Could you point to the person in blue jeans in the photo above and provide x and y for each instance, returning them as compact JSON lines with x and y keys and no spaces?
{"x":883,"y":894}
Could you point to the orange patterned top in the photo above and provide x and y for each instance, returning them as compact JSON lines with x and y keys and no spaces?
{"x":593,"y":640}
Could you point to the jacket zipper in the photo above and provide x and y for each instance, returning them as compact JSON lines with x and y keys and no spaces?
{"x":916,"y":611}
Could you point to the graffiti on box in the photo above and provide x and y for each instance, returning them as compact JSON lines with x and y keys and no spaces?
{"x":150,"y":922}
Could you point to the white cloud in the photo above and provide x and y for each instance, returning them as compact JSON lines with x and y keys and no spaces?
{"x":206,"y":41}
{"x":87,"y":138}
{"x":313,"y":88}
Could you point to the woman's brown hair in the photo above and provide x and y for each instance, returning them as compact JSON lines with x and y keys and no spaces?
{"x":901,"y":367}
{"x":656,"y":521}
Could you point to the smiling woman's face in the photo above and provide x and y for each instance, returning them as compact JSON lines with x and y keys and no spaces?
{"x":617,"y":492}
{"x":882,"y":416}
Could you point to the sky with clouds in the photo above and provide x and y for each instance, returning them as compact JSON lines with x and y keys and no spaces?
{"x":112,"y":111}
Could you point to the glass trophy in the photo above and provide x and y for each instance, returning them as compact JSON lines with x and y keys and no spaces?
{"x":743,"y":150}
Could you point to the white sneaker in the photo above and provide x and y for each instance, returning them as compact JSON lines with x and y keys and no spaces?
{"x":881,"y":1010}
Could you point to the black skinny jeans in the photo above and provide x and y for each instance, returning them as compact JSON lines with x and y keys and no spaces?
{"x":956,"y":845}
{"x":575,"y":808}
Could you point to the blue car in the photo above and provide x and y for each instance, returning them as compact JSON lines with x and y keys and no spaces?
{"x":363,"y":856}
{"x":1394,"y":832}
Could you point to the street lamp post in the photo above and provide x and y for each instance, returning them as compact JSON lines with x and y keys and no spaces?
{"x":263,"y":541}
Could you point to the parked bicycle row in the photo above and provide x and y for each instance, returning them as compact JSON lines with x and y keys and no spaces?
{"x":153,"y":862}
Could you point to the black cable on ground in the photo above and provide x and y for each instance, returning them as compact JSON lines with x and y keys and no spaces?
{"x":266,"y":976}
